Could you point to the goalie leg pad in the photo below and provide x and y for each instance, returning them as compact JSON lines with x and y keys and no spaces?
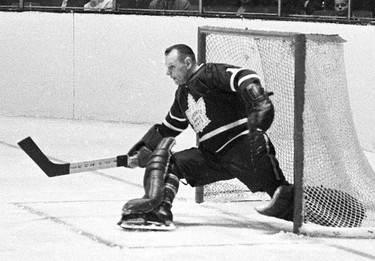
{"x":153,"y":180}
{"x":172,"y":183}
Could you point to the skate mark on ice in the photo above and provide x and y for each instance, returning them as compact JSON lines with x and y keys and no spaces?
{"x":9,"y":145}
{"x":76,"y":230}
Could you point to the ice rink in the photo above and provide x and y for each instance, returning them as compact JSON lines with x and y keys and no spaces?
{"x":74,"y":217}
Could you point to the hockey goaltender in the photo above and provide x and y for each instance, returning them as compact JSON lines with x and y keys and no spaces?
{"x":230,"y":111}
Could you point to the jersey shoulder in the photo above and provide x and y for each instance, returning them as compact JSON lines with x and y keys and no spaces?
{"x":211,"y":72}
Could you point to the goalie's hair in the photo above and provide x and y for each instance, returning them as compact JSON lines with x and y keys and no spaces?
{"x":183,"y":50}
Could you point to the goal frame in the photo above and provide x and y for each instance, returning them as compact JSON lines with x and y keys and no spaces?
{"x":299,"y":98}
{"x":308,"y":61}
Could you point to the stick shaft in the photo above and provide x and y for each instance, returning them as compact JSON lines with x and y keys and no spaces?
{"x":93,"y":165}
{"x":52,"y":169}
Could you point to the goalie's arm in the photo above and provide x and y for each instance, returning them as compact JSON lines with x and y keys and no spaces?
{"x":260,"y":109}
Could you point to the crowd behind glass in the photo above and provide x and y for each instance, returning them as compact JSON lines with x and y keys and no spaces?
{"x":330,"y":9}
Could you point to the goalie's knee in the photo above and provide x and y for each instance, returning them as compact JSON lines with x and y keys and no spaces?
{"x":159,"y":159}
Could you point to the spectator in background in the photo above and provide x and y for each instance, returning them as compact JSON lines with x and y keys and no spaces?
{"x":170,"y":5}
{"x":98,"y":5}
{"x":335,"y":7}
{"x":341,"y":7}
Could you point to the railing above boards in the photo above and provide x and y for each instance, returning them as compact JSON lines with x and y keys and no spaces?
{"x":337,"y":11}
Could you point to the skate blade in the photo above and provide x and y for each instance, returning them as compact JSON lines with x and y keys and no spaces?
{"x":148,"y":227}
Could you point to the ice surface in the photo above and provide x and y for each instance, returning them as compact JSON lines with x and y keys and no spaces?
{"x":74,"y":217}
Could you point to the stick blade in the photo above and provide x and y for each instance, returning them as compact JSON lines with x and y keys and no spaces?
{"x":49,"y":168}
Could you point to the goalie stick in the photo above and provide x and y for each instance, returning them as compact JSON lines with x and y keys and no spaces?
{"x":55,"y":169}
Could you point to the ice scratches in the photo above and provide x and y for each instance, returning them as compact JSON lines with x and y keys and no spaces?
{"x":9,"y":145}
{"x":243,"y":221}
{"x":289,"y":236}
{"x":79,"y":231}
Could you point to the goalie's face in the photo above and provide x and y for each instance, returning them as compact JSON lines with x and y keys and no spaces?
{"x":177,"y":69}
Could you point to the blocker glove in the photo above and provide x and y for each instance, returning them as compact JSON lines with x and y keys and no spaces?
{"x":147,"y":144}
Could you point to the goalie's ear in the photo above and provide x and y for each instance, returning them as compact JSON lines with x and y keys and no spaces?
{"x":189,"y":62}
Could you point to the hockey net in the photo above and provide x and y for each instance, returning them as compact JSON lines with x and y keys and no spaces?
{"x":313,"y":131}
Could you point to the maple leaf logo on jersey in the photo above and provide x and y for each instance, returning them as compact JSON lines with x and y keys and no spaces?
{"x":197,"y":114}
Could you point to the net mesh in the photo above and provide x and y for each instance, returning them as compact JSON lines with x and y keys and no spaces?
{"x":338,"y":182}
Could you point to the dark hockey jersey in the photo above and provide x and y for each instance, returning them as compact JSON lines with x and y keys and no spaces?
{"x":211,"y":103}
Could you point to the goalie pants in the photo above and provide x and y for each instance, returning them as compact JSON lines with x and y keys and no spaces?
{"x":251,"y":160}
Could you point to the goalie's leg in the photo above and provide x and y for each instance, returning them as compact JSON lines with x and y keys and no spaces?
{"x":280,"y":205}
{"x":163,"y":214}
{"x":253,"y":161}
{"x":138,"y":210}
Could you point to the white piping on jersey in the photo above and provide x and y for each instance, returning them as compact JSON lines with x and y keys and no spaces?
{"x":222,"y":129}
{"x":267,"y":143}
{"x":229,"y":141}
{"x":171,"y":126}
{"x":248,"y":77}
{"x":234,"y":72}
{"x":175,"y":118}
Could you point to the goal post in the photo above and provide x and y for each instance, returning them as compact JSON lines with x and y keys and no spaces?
{"x":299,"y":102}
{"x":313,"y":131}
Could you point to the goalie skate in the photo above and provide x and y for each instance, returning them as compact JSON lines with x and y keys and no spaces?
{"x":147,"y":226}
{"x":147,"y":221}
